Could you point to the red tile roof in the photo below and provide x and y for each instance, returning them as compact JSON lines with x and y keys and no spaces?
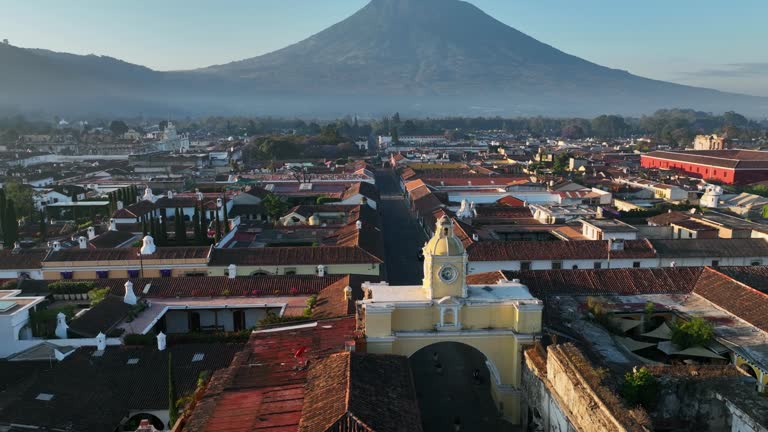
{"x":280,"y":256}
{"x":557,"y":250}
{"x":219,"y":286}
{"x":263,"y":388}
{"x":719,"y":158}
{"x":735,"y":297}
{"x":510,"y":201}
{"x":127,"y":254}
{"x":345,"y":389}
{"x":22,"y":259}
{"x":629,"y":281}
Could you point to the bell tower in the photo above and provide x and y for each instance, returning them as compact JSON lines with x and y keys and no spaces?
{"x":445,"y":263}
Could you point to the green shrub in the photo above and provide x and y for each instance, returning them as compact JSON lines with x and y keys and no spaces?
{"x":97,"y":295}
{"x":63,"y":287}
{"x":43,"y":322}
{"x":272,"y":319}
{"x":693,"y":332}
{"x":640,"y":388}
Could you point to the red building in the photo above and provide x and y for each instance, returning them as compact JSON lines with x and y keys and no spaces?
{"x":727,"y":166}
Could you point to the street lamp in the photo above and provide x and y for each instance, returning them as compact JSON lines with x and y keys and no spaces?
{"x":141,"y":263}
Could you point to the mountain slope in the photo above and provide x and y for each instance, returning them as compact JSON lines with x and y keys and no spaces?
{"x":428,"y":57}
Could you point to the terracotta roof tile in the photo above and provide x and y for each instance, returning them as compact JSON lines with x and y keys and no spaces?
{"x":557,"y":250}
{"x":23,"y":259}
{"x":127,"y":254}
{"x":735,"y":297}
{"x":326,"y":255}
{"x":345,"y":388}
{"x":263,"y":388}
{"x":629,"y":281}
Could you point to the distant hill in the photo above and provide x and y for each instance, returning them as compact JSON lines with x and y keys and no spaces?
{"x":436,"y":57}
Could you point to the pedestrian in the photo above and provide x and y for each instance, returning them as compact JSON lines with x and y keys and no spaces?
{"x":457,"y":424}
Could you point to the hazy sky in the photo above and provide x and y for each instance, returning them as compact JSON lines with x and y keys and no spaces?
{"x":713,"y":43}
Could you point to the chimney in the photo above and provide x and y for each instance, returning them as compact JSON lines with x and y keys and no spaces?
{"x":16,"y":248}
{"x":119,"y":205}
{"x":101,"y":341}
{"x":359,"y":225}
{"x":170,"y":194}
{"x":617,"y":244}
{"x":82,"y":242}
{"x":347,"y":293}
{"x":130,"y":296}
{"x":112,"y":225}
{"x":161,"y":341}
{"x":61,"y":326}
{"x":475,"y":237}
{"x":321,"y":270}
{"x":232,"y":271}
{"x":199,"y":194}
{"x":91,"y":233}
{"x":148,"y":246}
{"x":56,"y":246}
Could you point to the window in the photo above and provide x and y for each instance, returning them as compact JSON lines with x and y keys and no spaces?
{"x":557,"y":265}
{"x":290,"y":271}
{"x":756,"y":263}
{"x":575,"y":267}
{"x":132,"y":361}
{"x":525,"y":265}
{"x":636,"y":264}
{"x":198,"y":357}
{"x":44,"y":397}
{"x":715,"y":263}
{"x":598,"y":265}
{"x":690,"y":234}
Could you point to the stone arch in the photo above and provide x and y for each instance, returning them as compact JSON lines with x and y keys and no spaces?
{"x":258,"y":273}
{"x":750,"y":370}
{"x":442,"y":372}
{"x":490,"y":362}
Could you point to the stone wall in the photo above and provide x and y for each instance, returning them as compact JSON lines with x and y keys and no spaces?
{"x":567,"y":394}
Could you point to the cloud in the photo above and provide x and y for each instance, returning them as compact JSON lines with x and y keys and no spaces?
{"x":731,"y":70}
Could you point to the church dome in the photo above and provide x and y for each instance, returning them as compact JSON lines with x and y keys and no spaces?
{"x":444,"y":242}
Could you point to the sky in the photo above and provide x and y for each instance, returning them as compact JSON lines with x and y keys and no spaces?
{"x":710,"y":43}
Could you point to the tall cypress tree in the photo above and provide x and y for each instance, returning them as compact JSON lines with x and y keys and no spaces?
{"x":181,"y":230}
{"x":173,"y":410}
{"x":196,"y":225}
{"x":203,"y":223}
{"x":153,"y":227}
{"x":163,"y":226}
{"x":144,"y":227}
{"x":226,"y":216}
{"x":11,"y":228}
{"x":2,"y":213}
{"x":43,"y":226}
{"x":217,"y":235}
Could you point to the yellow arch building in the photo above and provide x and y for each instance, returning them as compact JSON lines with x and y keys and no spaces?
{"x":498,"y":320}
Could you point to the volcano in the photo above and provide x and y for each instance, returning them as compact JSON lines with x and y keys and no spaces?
{"x":428,"y":57}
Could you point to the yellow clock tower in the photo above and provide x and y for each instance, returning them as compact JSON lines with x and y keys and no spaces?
{"x":445,"y":263}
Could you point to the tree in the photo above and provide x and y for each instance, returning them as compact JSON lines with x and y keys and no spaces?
{"x":144,"y":228}
{"x":275,"y":206}
{"x":203,"y":223}
{"x":181,"y":229}
{"x":640,"y":388}
{"x":11,"y":224}
{"x":561,"y":163}
{"x":217,"y":235}
{"x":173,"y":409}
{"x":196,"y":224}
{"x":693,"y":332}
{"x":118,"y":127}
{"x":22,"y":195}
{"x":43,"y":226}
{"x":395,"y":136}
{"x":163,"y":232}
{"x":226,"y":216}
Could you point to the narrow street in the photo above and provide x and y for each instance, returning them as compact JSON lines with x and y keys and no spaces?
{"x":402,"y":235}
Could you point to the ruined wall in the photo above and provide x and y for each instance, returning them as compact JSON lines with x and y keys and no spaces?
{"x":568,"y":395}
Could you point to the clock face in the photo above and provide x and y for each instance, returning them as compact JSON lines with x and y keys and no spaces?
{"x":448,"y":273}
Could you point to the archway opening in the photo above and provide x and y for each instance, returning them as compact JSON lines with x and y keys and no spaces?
{"x":133,"y":423}
{"x":453,"y":386}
